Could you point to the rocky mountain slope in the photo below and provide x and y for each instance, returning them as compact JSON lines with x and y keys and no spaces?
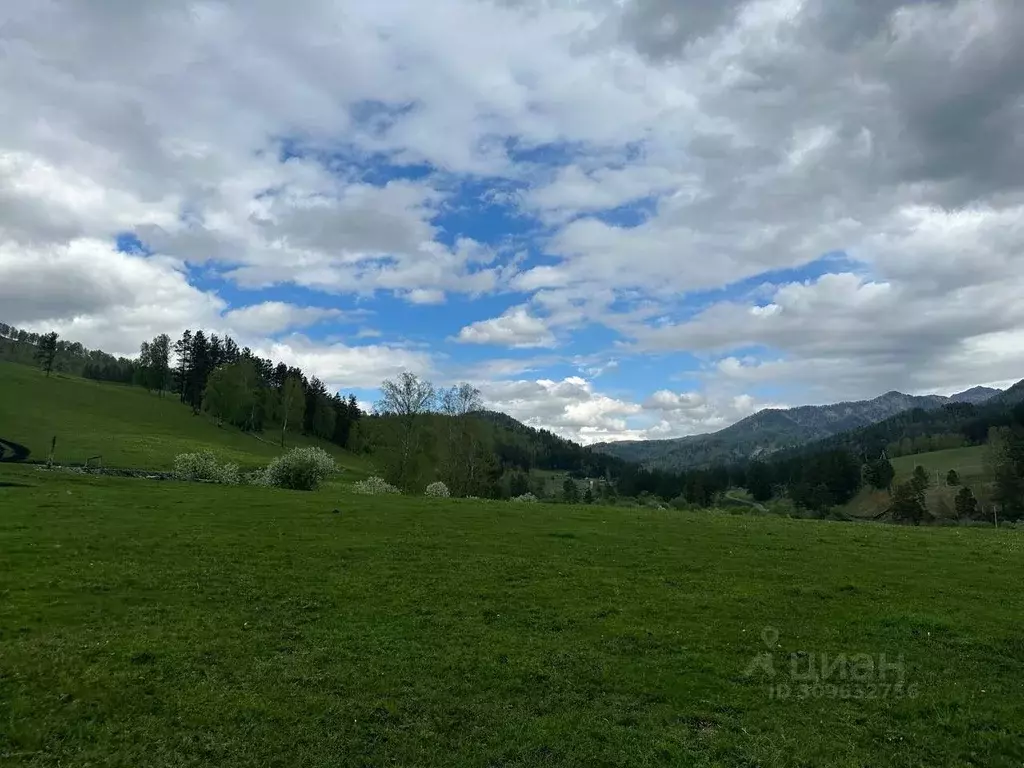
{"x":774,"y":429}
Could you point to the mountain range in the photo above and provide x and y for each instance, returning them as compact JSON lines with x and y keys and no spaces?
{"x":774,"y":429}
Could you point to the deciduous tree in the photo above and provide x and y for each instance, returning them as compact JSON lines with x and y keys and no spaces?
{"x":406,"y":399}
{"x":292,"y":404}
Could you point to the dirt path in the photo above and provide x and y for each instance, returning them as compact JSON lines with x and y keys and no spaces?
{"x":754,"y":504}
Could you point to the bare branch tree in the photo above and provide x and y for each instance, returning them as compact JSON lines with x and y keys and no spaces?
{"x":407,"y":398}
{"x":457,"y":403}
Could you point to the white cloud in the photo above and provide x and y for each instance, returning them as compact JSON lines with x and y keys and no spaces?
{"x":94,"y":294}
{"x":569,"y":407}
{"x":516,"y":328}
{"x":573,"y":409}
{"x":655,"y":148}
{"x":666,"y":400}
{"x":271,"y":317}
{"x":344,"y":367}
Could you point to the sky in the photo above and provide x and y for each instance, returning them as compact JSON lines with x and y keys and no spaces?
{"x":620,"y":219}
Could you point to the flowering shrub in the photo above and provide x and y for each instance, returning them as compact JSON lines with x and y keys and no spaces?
{"x":373,"y":486}
{"x":203,"y":466}
{"x":526,"y":498}
{"x":301,"y":469}
{"x":438,"y":490}
{"x":259,"y":477}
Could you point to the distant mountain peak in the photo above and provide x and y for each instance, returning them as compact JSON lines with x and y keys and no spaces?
{"x":974,"y":395}
{"x":774,"y":429}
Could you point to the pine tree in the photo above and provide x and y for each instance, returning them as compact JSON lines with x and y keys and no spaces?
{"x":183,"y":351}
{"x":879,"y":473}
{"x":966,"y":504}
{"x":908,"y":503}
{"x":570,"y":492}
{"x":324,"y":418}
{"x":46,"y":351}
{"x":199,"y":370}
{"x":759,"y":481}
{"x":920,"y":479}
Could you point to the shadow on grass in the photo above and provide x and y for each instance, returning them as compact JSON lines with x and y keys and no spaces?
{"x":15,"y":485}
{"x":12,"y":452}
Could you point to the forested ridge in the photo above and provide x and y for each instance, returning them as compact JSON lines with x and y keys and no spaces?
{"x":417,"y":434}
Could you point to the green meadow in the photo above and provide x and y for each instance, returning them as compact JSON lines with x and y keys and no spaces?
{"x":158,"y":623}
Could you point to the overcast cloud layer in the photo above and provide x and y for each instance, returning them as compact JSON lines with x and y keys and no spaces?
{"x":619,"y":219}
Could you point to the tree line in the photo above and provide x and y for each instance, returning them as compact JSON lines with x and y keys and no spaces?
{"x":419,"y":433}
{"x":57,"y":355}
{"x":240,"y":388}
{"x":207,"y":373}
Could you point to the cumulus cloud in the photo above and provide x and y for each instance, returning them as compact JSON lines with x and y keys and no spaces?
{"x":574,"y":409}
{"x":569,"y":407}
{"x":662,"y":156}
{"x":271,"y":317}
{"x":342,"y":366}
{"x":88,"y":291}
{"x":516,"y":328}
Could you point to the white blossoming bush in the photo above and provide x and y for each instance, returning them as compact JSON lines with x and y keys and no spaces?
{"x":373,"y":486}
{"x":203,"y":466}
{"x":229,"y":474}
{"x":438,"y":490}
{"x":301,"y":469}
{"x":258,"y":477}
{"x":526,"y":498}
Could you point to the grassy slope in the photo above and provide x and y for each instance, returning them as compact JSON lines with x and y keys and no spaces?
{"x":128,"y":426}
{"x":169,"y":624}
{"x":968,"y":462}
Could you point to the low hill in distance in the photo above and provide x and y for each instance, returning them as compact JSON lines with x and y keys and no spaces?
{"x":775,"y":429}
{"x":127,"y":426}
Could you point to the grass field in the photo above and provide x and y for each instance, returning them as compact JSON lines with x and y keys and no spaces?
{"x":127,"y":426}
{"x":165,"y":624}
{"x":969,"y":463}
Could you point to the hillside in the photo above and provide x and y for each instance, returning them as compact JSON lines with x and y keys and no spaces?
{"x":131,"y":428}
{"x":968,"y":462}
{"x":1011,"y":396}
{"x":773,"y":429}
{"x":127,"y":426}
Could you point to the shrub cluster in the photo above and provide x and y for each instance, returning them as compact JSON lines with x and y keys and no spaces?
{"x":373,"y":486}
{"x":438,"y":490}
{"x":203,"y":467}
{"x":257,"y":477}
{"x":526,"y":498}
{"x":301,"y":469}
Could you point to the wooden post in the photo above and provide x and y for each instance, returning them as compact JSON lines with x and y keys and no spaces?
{"x":53,"y":447}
